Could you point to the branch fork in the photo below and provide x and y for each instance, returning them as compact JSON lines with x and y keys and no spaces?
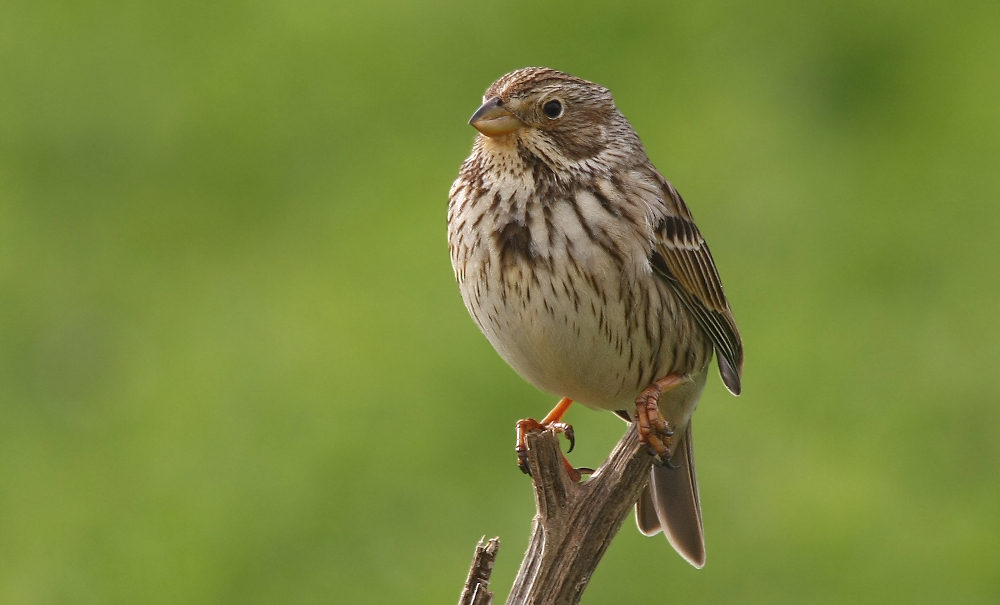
{"x":575,"y":522}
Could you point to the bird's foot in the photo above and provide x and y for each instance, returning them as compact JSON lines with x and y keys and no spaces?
{"x":551,"y":422}
{"x":654,"y":430}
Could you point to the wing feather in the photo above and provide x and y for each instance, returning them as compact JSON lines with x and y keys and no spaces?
{"x":681,"y":256}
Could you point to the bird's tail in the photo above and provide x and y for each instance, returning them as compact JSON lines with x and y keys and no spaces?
{"x":670,"y":504}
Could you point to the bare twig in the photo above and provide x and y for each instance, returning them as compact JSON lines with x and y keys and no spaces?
{"x":475,"y":591}
{"x":575,"y":522}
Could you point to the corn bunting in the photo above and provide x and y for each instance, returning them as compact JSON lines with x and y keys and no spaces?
{"x":583,"y":267}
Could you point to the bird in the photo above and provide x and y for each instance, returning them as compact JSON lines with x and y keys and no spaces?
{"x":584,"y":268}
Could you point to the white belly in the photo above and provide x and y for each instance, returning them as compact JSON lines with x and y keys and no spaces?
{"x":567,"y":340}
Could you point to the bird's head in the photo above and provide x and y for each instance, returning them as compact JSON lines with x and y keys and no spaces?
{"x":544,"y":109}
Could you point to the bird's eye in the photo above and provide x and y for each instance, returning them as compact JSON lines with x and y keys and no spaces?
{"x":552,"y":109}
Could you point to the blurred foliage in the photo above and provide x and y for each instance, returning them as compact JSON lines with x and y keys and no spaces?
{"x":234,"y":366}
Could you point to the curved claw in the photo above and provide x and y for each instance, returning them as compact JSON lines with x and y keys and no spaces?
{"x":522,"y":461}
{"x":552,"y":421}
{"x":565,"y":429}
{"x":663,"y":461}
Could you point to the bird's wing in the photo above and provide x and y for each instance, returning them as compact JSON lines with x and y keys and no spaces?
{"x":681,"y":256}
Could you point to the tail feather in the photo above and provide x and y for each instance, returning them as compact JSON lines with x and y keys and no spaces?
{"x":672,"y":500}
{"x":645,"y":514}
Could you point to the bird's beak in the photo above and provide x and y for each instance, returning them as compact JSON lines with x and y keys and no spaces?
{"x":493,"y":119}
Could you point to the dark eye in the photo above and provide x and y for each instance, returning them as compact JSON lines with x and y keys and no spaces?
{"x":552,"y":109}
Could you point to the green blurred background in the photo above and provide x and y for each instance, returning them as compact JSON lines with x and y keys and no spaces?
{"x":235,"y":368}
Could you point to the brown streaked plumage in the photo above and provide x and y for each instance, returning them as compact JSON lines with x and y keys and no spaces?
{"x":583,"y":267}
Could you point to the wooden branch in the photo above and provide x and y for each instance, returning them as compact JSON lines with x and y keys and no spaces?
{"x":575,"y":522}
{"x":475,"y":591}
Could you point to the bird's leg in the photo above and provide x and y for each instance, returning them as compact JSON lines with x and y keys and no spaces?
{"x":654,"y":430}
{"x":552,"y":421}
